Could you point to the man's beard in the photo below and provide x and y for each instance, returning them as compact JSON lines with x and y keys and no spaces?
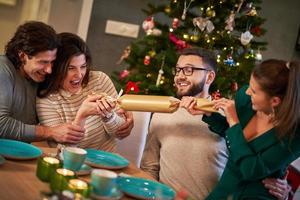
{"x":193,"y":91}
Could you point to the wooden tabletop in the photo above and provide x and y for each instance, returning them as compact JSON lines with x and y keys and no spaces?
{"x":18,"y":179}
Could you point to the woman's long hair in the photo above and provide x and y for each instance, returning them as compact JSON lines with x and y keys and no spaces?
{"x":282,"y":79}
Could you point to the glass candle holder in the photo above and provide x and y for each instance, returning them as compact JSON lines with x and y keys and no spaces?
{"x":46,"y":167}
{"x":78,"y":186}
{"x":59,"y":180}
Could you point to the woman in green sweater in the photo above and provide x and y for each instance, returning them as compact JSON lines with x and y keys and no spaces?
{"x":261,"y":128}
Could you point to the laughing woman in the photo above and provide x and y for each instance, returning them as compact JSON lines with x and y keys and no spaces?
{"x":261,"y":128}
{"x":74,"y":94}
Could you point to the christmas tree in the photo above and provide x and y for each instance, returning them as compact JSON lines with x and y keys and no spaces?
{"x":231,"y":28}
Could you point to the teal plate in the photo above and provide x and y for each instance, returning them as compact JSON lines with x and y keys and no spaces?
{"x":145,"y":189}
{"x":105,"y":160}
{"x":2,"y":160}
{"x":116,"y":195}
{"x":17,"y":150}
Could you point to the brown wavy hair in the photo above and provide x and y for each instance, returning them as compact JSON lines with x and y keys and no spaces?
{"x":31,"y":38}
{"x":71,"y":45}
{"x":282,"y":79}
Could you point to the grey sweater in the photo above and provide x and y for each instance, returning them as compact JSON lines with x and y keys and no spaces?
{"x":181,"y":152}
{"x":17,"y":103}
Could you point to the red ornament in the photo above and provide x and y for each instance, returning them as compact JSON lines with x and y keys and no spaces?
{"x":147,"y":60}
{"x":180,"y":44}
{"x":175,"y":23}
{"x":148,"y":24}
{"x":123,"y":74}
{"x":216,"y":95}
{"x":132,"y":87}
{"x":256,"y":30}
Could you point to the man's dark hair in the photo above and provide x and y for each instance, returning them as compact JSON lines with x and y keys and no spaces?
{"x":31,"y":38}
{"x":208,"y":57}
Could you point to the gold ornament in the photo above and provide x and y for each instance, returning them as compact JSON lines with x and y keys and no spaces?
{"x":148,"y":75}
{"x":167,"y":9}
{"x":210,"y":12}
{"x":252,"y":12}
{"x":195,"y":38}
{"x":152,"y":53}
{"x":186,"y":37}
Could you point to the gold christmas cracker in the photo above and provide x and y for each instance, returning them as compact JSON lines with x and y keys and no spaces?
{"x":205,"y":105}
{"x":149,"y":103}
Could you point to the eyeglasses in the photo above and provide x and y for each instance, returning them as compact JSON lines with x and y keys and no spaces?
{"x":187,"y":71}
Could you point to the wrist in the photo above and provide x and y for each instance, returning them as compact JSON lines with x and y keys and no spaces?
{"x":232,"y":123}
{"x":43,"y":132}
{"x":79,"y":119}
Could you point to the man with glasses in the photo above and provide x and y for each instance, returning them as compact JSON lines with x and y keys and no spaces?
{"x":180,"y":150}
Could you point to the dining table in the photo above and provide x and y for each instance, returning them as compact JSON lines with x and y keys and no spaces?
{"x":18,"y":178}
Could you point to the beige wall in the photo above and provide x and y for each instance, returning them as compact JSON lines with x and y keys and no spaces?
{"x":9,"y":18}
{"x":64,"y":15}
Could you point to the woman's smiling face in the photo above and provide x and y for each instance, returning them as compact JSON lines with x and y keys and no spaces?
{"x":76,"y":72}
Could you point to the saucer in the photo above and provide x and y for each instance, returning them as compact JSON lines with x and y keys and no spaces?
{"x":117,"y":194}
{"x":84,"y":170}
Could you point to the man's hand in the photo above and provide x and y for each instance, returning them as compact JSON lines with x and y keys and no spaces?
{"x":64,"y":133}
{"x":277,"y":187}
{"x":125,"y":129}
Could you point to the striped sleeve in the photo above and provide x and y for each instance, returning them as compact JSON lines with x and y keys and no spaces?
{"x":47,"y":112}
{"x":104,"y":84}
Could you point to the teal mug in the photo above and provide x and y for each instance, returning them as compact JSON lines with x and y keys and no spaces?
{"x":73,"y":158}
{"x":104,"y":182}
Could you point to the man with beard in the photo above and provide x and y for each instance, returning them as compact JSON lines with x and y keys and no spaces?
{"x":180,"y":150}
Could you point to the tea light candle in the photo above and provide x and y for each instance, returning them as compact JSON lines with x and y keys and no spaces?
{"x":59,"y":181}
{"x":46,"y":167}
{"x":78,"y":186}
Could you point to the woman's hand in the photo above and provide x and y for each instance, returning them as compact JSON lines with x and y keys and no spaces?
{"x":105,"y":107}
{"x":90,"y":106}
{"x":277,"y":187}
{"x":125,"y":129}
{"x":189,"y":104}
{"x":228,"y":106}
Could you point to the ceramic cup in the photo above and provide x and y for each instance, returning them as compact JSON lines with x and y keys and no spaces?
{"x":73,"y":158}
{"x":103,"y":182}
